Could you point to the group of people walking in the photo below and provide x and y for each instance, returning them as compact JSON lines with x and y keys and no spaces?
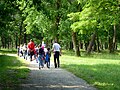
{"x":41,"y":54}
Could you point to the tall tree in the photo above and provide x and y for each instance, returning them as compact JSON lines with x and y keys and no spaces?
{"x":95,"y":14}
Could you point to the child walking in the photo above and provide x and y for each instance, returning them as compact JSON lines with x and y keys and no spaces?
{"x":47,"y":57}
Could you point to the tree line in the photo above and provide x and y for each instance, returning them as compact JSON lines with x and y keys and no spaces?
{"x":91,"y":25}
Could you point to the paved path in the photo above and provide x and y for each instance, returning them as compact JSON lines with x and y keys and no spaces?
{"x":53,"y":79}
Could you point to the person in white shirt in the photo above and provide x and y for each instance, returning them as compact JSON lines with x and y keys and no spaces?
{"x":57,"y":53}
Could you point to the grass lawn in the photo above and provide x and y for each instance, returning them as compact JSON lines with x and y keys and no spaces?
{"x":12,"y":71}
{"x":5,"y":51}
{"x":101,"y":70}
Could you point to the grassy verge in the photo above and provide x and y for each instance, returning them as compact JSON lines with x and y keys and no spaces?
{"x":13,"y":71}
{"x":6,"y":51}
{"x":101,"y":70}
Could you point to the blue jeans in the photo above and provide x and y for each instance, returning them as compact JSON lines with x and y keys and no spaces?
{"x":41,"y":61}
{"x":25,"y":54}
{"x":36,"y":58}
{"x":48,"y":63}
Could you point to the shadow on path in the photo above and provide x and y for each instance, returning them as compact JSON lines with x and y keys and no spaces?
{"x":53,"y":79}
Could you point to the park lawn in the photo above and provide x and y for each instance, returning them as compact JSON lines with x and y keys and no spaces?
{"x":13,"y":71}
{"x":7,"y":51}
{"x":100,"y":70}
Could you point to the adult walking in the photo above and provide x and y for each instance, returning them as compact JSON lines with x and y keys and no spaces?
{"x":57,"y":53}
{"x":31,"y":48}
{"x":41,"y":57}
{"x":25,"y":51}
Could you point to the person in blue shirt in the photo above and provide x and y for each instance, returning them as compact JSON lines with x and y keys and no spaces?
{"x":47,"y":57}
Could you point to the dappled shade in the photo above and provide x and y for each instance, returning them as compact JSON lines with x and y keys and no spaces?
{"x":11,"y":72}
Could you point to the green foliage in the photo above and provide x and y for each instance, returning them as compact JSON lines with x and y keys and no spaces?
{"x":46,"y":19}
{"x":41,"y":17}
{"x":9,"y":24}
{"x":95,"y":15}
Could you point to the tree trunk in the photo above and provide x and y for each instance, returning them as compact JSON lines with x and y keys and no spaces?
{"x":8,"y":43}
{"x":110,"y":42}
{"x":20,"y":36}
{"x":5,"y":43}
{"x":2,"y":41}
{"x":110,"y":45}
{"x":106,"y":45}
{"x":81,"y":45}
{"x":94,"y":47}
{"x":101,"y":46}
{"x":91,"y":43}
{"x":71,"y":46}
{"x":114,"y":39}
{"x":75,"y":44}
{"x":86,"y":45}
{"x":25,"y":41}
{"x":16,"y":41}
{"x":98,"y":44}
{"x":58,"y":5}
{"x":22,"y":31}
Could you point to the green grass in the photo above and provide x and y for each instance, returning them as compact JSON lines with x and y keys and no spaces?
{"x":13,"y":71}
{"x":101,"y":70}
{"x":6,"y":51}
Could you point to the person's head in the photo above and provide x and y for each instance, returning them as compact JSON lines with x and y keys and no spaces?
{"x":42,"y":47}
{"x":39,"y":45}
{"x":55,"y":41}
{"x":31,"y":40}
{"x":48,"y":49}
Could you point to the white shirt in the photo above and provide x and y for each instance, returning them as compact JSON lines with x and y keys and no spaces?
{"x":45,"y":50}
{"x":56,"y":47}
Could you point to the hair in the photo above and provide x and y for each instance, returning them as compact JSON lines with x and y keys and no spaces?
{"x":55,"y":41}
{"x":48,"y":48}
{"x":31,"y":40}
{"x":40,"y":45}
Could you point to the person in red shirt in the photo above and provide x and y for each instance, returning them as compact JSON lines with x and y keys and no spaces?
{"x":31,"y":48}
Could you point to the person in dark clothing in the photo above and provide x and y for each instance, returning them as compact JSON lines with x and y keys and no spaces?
{"x":41,"y":56}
